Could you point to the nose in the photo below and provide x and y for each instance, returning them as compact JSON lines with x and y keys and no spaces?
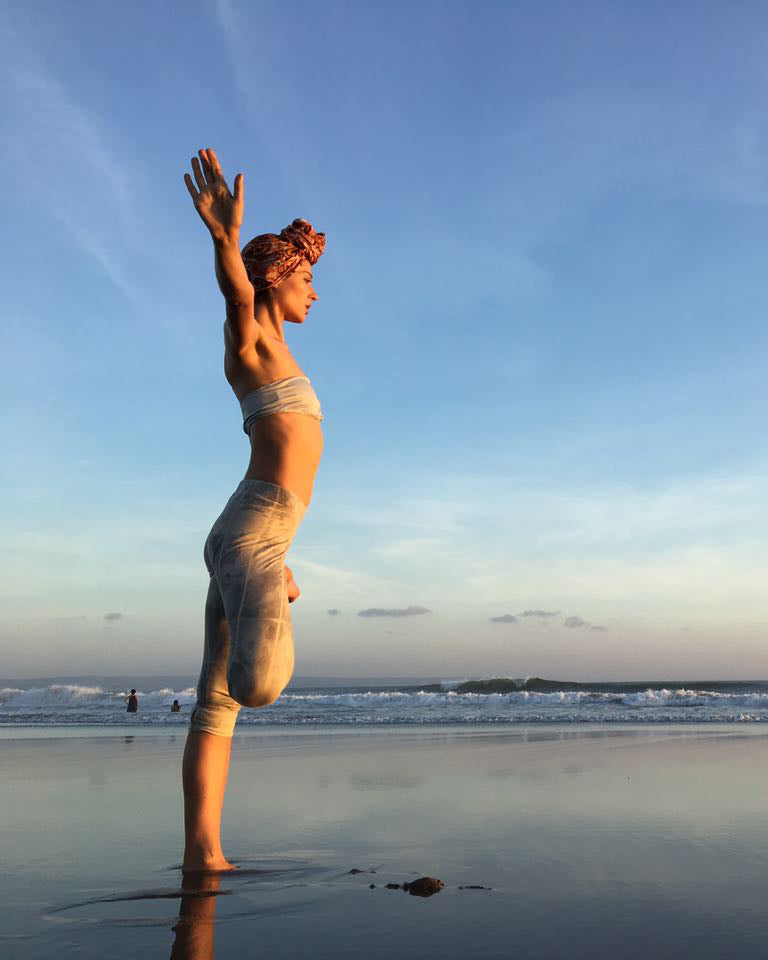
{"x":313,"y":295}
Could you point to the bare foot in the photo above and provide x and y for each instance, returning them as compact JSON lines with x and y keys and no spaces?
{"x":293,"y":590}
{"x":207,"y":865}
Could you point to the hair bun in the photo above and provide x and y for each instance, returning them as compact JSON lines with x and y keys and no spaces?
{"x":270,"y":258}
{"x":304,"y":237}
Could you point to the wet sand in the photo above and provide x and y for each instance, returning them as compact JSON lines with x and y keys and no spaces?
{"x":551,"y":841}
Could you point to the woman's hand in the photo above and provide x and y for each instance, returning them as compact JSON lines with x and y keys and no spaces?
{"x":219,"y":210}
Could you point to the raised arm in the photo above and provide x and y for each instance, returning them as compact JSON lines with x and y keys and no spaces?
{"x":222,"y":213}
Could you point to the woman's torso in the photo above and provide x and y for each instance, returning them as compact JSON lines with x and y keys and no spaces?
{"x":285,"y":447}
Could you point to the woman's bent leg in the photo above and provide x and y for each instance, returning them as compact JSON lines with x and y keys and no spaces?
{"x":261,"y":656}
{"x":250,"y":572}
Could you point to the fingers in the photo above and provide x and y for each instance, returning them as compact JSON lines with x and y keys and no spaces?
{"x":213,"y":162}
{"x":191,"y":187}
{"x":215,"y":171}
{"x":199,"y":178}
{"x":209,"y":169}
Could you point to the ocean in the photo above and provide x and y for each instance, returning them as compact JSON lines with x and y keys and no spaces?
{"x":99,"y":701}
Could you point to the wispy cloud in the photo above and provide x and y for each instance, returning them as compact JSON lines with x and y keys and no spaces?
{"x":233,"y":30}
{"x":250,"y":57}
{"x":618,"y":549}
{"x":111,"y":617}
{"x":70,"y":161}
{"x":505,"y":618}
{"x":335,"y":580}
{"x":577,"y":148}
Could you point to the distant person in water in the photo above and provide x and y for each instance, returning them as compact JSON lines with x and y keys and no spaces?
{"x":248,"y":654}
{"x":175,"y":707}
{"x":132,"y":701}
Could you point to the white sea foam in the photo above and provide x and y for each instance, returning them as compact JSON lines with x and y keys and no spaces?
{"x":83,"y":703}
{"x":64,"y":696}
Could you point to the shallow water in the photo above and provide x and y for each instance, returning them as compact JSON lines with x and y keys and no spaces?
{"x":592,"y":840}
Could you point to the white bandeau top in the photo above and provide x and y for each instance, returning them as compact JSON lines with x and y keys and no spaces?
{"x":288,"y":395}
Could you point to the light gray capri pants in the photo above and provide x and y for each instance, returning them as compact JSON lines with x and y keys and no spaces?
{"x":248,"y":641}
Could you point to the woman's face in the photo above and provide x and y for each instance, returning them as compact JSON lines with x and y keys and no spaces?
{"x":295,"y":293}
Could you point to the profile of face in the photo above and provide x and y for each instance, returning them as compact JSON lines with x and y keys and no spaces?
{"x":295,"y":295}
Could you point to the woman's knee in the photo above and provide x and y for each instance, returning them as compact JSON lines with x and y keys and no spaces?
{"x":216,"y":718}
{"x":253,"y":691}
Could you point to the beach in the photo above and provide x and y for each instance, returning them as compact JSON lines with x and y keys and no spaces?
{"x":551,"y":840}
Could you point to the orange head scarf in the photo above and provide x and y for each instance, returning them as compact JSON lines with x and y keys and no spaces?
{"x":270,"y":258}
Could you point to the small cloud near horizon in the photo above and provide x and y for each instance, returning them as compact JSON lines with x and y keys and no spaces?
{"x":113,"y":616}
{"x":504,"y":618}
{"x":333,"y":612}
{"x":396,"y":612}
{"x":575,"y":622}
{"x":539,"y":613}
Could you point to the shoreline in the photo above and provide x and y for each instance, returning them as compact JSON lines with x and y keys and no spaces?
{"x":538,"y":731}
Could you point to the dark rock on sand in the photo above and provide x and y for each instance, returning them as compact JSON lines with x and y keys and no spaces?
{"x":393,"y":886}
{"x":424,"y":887}
{"x":474,"y":886}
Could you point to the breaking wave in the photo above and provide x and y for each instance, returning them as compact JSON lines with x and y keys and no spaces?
{"x":504,"y":700}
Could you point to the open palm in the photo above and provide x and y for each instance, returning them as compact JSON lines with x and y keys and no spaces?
{"x":220,"y":210}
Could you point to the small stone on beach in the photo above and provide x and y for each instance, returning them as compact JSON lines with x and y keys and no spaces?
{"x":424,"y":887}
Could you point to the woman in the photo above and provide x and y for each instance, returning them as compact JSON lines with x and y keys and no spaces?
{"x":248,"y":658}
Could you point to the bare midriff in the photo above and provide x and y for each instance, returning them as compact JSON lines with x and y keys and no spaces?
{"x":285,"y":447}
{"x":286,"y":450}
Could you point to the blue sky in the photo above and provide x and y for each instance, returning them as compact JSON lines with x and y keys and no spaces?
{"x":539,"y":345}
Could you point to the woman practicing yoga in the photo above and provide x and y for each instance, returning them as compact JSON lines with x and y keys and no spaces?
{"x":248,"y":655}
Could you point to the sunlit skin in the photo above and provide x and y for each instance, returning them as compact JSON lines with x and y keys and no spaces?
{"x":285,"y":450}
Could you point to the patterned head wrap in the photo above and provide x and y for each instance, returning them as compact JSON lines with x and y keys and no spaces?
{"x":270,"y":258}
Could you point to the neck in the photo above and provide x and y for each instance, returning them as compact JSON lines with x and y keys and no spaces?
{"x":270,"y":318}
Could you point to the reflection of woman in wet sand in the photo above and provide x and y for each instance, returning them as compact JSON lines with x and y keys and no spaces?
{"x":248,"y":658}
{"x":196,"y":927}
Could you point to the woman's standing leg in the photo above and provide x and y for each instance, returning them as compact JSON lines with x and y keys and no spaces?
{"x":204,"y":776}
{"x":206,"y":755}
